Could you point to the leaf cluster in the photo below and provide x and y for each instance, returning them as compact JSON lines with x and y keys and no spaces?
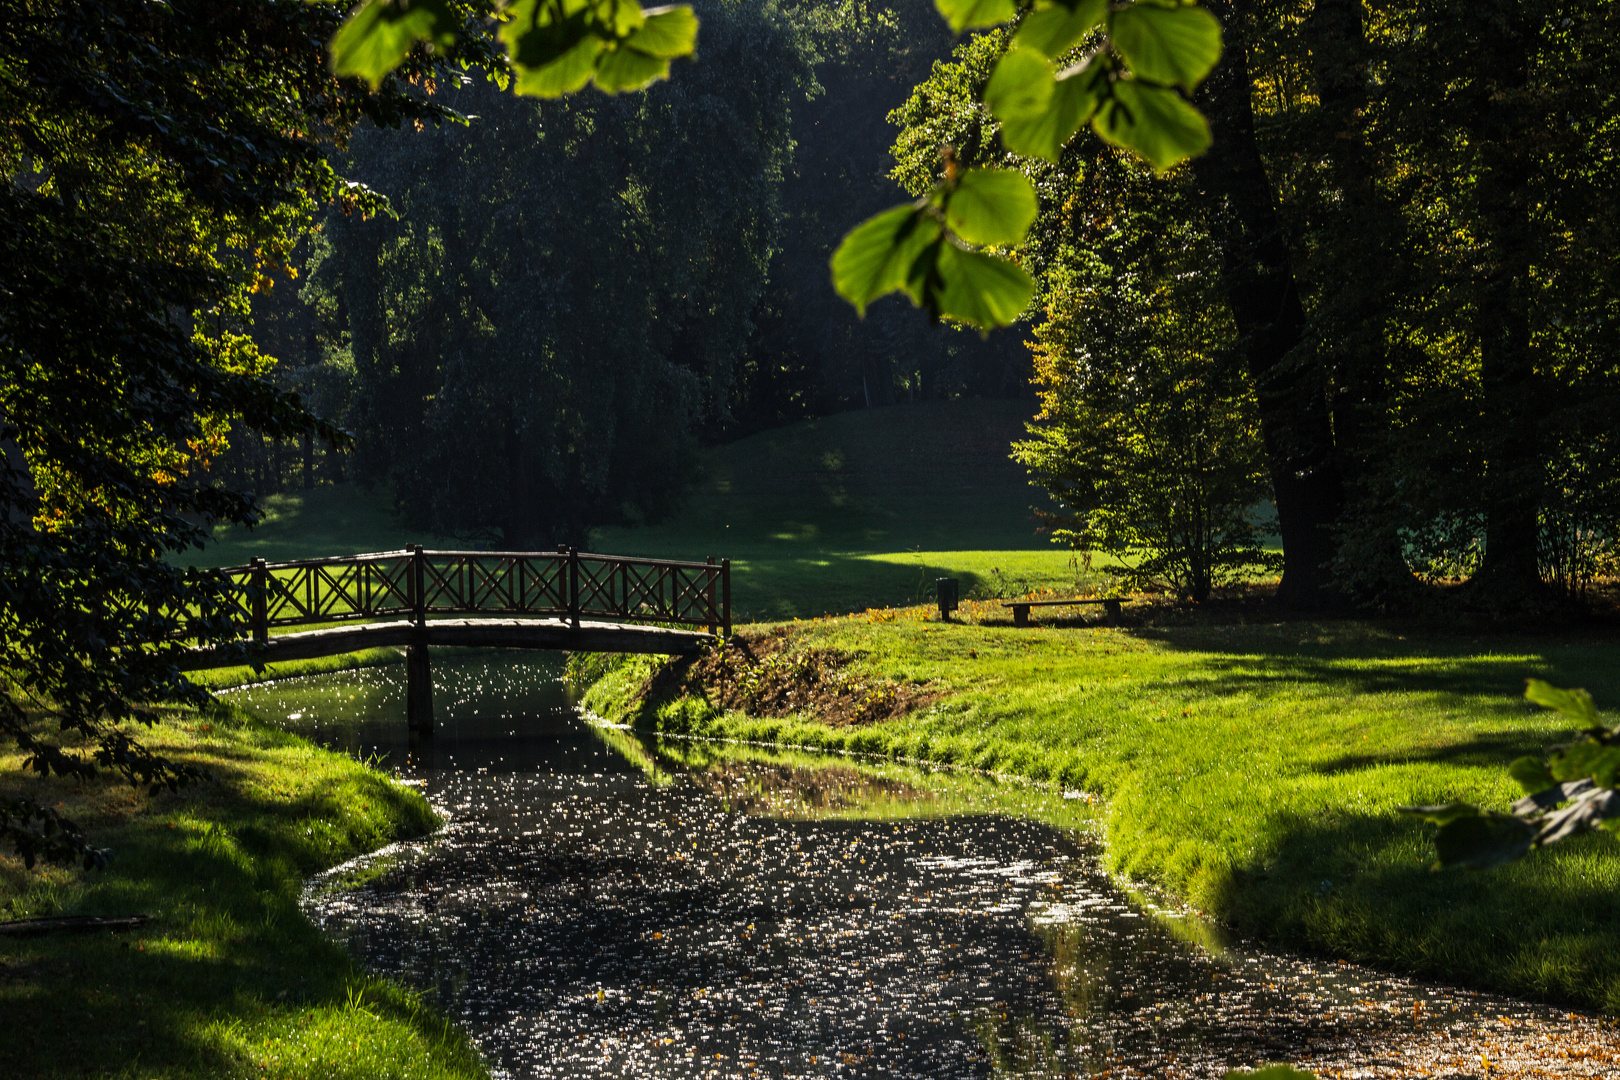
{"x":1570,"y":791}
{"x":163,"y":160}
{"x":1124,"y":69}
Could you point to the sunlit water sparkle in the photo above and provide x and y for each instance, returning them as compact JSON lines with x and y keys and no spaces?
{"x":584,"y":920}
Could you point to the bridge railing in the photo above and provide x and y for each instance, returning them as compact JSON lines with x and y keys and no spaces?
{"x":418,"y":585}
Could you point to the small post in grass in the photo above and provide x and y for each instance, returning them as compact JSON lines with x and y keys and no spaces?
{"x":946,"y":590}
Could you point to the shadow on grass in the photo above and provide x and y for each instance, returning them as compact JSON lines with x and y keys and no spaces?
{"x":1485,"y":750}
{"x":1357,"y":658}
{"x":1361,"y":887}
{"x":220,"y":869}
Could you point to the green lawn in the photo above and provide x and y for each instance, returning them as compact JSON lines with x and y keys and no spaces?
{"x":862,"y":509}
{"x":230,"y":978}
{"x":1255,"y":770}
{"x":343,"y":519}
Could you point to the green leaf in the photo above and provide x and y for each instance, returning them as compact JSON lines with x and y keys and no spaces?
{"x":983,"y":290}
{"x":1045,"y":134}
{"x":1586,"y":759}
{"x":628,"y":69}
{"x":1052,"y":29}
{"x":1155,"y":123}
{"x":1021,"y":85}
{"x":1532,"y":775}
{"x":1575,"y":704}
{"x":880,"y":255}
{"x":963,"y":14}
{"x":1172,"y":45}
{"x":567,"y":73}
{"x":991,"y":206}
{"x":667,"y":33}
{"x":375,"y":39}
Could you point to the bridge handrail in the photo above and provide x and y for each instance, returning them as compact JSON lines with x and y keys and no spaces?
{"x":417,"y":583}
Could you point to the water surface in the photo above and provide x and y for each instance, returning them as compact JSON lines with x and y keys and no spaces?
{"x":602,"y":904}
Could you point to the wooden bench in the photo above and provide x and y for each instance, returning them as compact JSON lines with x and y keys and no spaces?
{"x":1020,"y":608}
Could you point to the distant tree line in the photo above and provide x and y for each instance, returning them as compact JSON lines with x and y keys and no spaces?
{"x":569,"y":296}
{"x":1385,"y":299}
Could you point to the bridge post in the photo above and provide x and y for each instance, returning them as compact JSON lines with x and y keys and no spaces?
{"x":725,"y":592}
{"x":261,"y":602}
{"x":573,"y":585}
{"x":418,"y":690}
{"x":418,"y":669}
{"x":714,"y":616}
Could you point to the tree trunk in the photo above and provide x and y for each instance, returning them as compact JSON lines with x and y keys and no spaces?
{"x":1294,"y":419}
{"x":1349,"y":325}
{"x":1510,"y":575}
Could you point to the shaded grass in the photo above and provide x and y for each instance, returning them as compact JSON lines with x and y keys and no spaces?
{"x":230,"y":977}
{"x":1255,"y":770}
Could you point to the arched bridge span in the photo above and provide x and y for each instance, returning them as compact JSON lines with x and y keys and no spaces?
{"x":416,"y":598}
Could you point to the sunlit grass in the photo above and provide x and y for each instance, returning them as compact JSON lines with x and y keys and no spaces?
{"x":230,"y":978}
{"x":1256,"y":771}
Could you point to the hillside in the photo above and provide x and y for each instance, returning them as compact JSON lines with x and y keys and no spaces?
{"x":859,"y":509}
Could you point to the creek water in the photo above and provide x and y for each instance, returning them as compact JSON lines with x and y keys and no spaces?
{"x":601,"y":904}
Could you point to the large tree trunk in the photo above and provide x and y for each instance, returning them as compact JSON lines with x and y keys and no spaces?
{"x":1368,"y":240}
{"x":1264,"y":298}
{"x":1509,"y":576}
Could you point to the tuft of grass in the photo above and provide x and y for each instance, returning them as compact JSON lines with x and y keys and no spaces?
{"x":1255,"y":770}
{"x":230,"y":977}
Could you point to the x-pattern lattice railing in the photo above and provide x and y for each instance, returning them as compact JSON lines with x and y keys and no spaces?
{"x":420,"y":585}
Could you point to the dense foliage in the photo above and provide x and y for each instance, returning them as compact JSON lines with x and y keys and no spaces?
{"x":1148,"y":433}
{"x":161,"y":160}
{"x":566,"y":289}
{"x":1408,"y":208}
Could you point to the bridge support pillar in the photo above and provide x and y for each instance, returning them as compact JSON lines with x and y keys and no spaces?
{"x":418,"y":690}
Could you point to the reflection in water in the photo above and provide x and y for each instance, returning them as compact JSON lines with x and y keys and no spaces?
{"x":604,"y":905}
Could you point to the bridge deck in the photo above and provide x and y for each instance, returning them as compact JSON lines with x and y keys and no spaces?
{"x":471,"y":633}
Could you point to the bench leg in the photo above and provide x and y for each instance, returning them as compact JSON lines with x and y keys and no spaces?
{"x":1020,"y":614}
{"x":1112,"y":608}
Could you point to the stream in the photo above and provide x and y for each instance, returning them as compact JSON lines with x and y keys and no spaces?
{"x":606,"y":904}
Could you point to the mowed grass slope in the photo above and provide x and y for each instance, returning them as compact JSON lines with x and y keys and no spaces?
{"x":230,"y":978}
{"x":864,"y":509}
{"x":861,"y":509}
{"x":1256,"y":771}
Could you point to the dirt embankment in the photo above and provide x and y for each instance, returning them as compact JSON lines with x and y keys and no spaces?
{"x":764,"y":675}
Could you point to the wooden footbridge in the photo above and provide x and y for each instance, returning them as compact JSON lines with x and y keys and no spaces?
{"x":563,"y":599}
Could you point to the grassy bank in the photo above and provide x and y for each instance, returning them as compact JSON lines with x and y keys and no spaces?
{"x":229,"y":978}
{"x":1255,"y":771}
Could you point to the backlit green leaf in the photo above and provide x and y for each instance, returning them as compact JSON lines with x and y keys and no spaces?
{"x":991,"y":206}
{"x":668,"y":32}
{"x":627,"y":69}
{"x":1575,"y":704}
{"x":1052,"y":29}
{"x":1155,"y":123}
{"x":879,"y":255}
{"x":566,"y":74}
{"x":1044,"y":134}
{"x":981,"y":289}
{"x":1021,"y":85}
{"x":1172,"y":45}
{"x":965,"y":14}
{"x":376,"y":39}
